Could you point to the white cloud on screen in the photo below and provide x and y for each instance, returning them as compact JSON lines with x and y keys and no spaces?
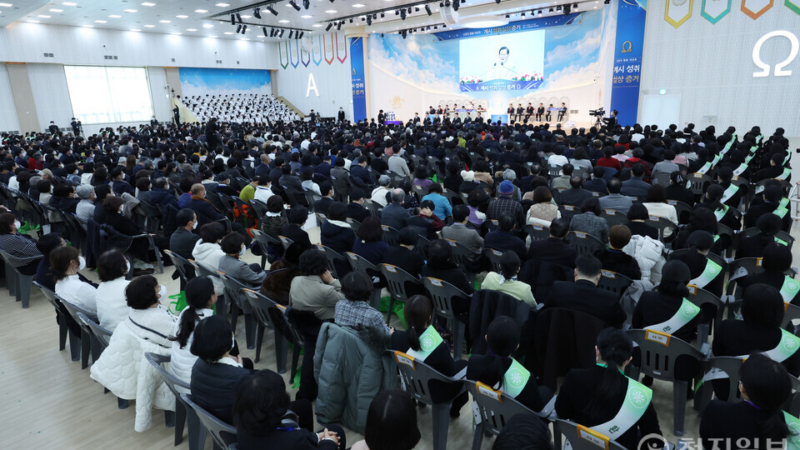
{"x":408,"y":62}
{"x":576,"y":49}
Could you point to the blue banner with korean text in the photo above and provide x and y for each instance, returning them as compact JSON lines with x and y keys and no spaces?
{"x":515,"y":27}
{"x":359,"y":78}
{"x":499,"y":85}
{"x":626,"y":76}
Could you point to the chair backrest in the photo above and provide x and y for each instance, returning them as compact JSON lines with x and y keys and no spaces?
{"x":614,"y":282}
{"x":102,"y":334}
{"x":660,"y":351}
{"x":730,"y":365}
{"x":390,"y":235}
{"x":261,"y":304}
{"x":712,"y":256}
{"x":554,"y":171}
{"x":442,"y":294}
{"x":681,"y":208}
{"x":700,"y":297}
{"x":663,"y":224}
{"x":613,"y":217}
{"x":584,"y":243}
{"x":264,"y":239}
{"x":354,"y":224}
{"x":698,"y":182}
{"x":416,"y":375}
{"x":494,"y":257}
{"x":537,"y":232}
{"x":583,"y":438}
{"x":782,"y":235}
{"x":569,"y":211}
{"x":285,"y":241}
{"x":421,"y":191}
{"x":461,"y":254}
{"x":170,"y":380}
{"x":661,"y":178}
{"x":332,"y":256}
{"x":396,"y":279}
{"x":181,"y":264}
{"x":260,"y":208}
{"x":233,"y":289}
{"x":359,"y":263}
{"x":223,"y":434}
{"x":494,"y":408}
{"x":49,"y":295}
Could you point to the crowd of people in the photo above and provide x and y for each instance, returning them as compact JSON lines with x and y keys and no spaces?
{"x":436,"y":201}
{"x":241,"y":108}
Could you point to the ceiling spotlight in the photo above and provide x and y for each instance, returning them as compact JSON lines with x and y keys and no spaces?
{"x":566,"y":9}
{"x":428,"y":10}
{"x":272,"y":10}
{"x":403,"y":33}
{"x":301,"y":35}
{"x":416,"y":9}
{"x":558,"y":8}
{"x":239,"y":18}
{"x":351,"y":20}
{"x":574,"y":6}
{"x":382,"y":15}
{"x":507,"y":16}
{"x":409,"y":10}
{"x":306,"y":4}
{"x":441,"y":5}
{"x":244,"y":29}
{"x":294,"y":5}
{"x":435,"y":27}
{"x":403,"y":14}
{"x":551,"y":9}
{"x":396,"y":12}
{"x":233,"y":19}
{"x":522,"y":15}
{"x":239,"y":29}
{"x":330,"y":25}
{"x":381,"y":34}
{"x":281,"y":35}
{"x":606,"y":2}
{"x":369,"y":21}
{"x":264,"y":29}
{"x":455,"y":5}
{"x":257,"y":14}
{"x":540,"y":12}
{"x":497,"y":1}
{"x":339,"y":26}
{"x":290,"y":34}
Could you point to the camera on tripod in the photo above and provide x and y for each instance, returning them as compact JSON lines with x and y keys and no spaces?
{"x":597,"y":112}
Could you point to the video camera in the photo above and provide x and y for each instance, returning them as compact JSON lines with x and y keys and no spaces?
{"x":597,"y":112}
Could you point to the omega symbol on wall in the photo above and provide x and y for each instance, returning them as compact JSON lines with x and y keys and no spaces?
{"x":779,"y":68}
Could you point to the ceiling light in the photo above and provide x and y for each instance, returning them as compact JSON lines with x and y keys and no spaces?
{"x":201,"y":11}
{"x":42,"y":16}
{"x":228,"y":32}
{"x":9,"y":5}
{"x":257,"y":13}
{"x":208,"y":25}
{"x":244,"y":29}
{"x":149,"y":26}
{"x":316,"y":25}
{"x":164,"y":21}
{"x":233,"y":19}
{"x":247,"y":17}
{"x":191,"y":29}
{"x":281,"y":35}
{"x":428,"y":10}
{"x":135,"y":30}
{"x":182,"y":17}
{"x":239,"y":29}
{"x":148,"y":4}
{"x":358,"y":5}
{"x":52,"y":10}
{"x":239,"y":18}
{"x":84,"y":26}
{"x":331,"y":11}
{"x":70,"y":4}
{"x":222,"y":5}
{"x":212,"y":36}
{"x":305,"y":17}
{"x":114,"y":16}
{"x":130,"y":10}
{"x":33,"y":21}
{"x":272,"y":10}
{"x":283,"y":21}
{"x":176,"y":34}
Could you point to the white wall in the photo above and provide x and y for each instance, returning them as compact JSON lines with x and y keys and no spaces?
{"x":27,"y":42}
{"x":711,"y":67}
{"x":333,"y":84}
{"x":160,"y":96}
{"x":51,"y":95}
{"x":8,"y":114}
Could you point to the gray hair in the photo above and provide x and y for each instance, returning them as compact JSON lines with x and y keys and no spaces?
{"x":398,"y":195}
{"x":509,"y":175}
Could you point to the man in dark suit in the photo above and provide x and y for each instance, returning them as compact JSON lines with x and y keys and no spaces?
{"x":635,"y":187}
{"x":359,"y":174}
{"x":53,"y":128}
{"x":176,"y":113}
{"x":76,"y":127}
{"x":321,"y":205}
{"x":355,"y":210}
{"x":597,"y":183}
{"x":182,"y":241}
{"x":154,"y":122}
{"x":340,"y":115}
{"x":576,"y":194}
{"x":584,"y":295}
{"x":324,"y":168}
{"x":394,"y":215}
{"x":553,"y":249}
{"x":504,"y":239}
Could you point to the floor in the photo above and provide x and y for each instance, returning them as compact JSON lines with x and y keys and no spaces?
{"x":47,"y":401}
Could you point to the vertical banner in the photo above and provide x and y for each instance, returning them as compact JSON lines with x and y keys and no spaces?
{"x":714,"y":10}
{"x":303,"y":53}
{"x":359,"y":78}
{"x":283,"y":51}
{"x":628,"y":61}
{"x":794,"y":5}
{"x":678,"y":12}
{"x":756,"y":8}
{"x":329,"y":48}
{"x":316,"y":54}
{"x":294,"y":53}
{"x":341,"y":47}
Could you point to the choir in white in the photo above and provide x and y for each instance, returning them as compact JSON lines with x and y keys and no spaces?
{"x":239,"y":108}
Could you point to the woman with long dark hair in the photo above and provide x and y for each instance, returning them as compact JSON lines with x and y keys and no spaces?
{"x":200,"y":298}
{"x":656,"y":308}
{"x":724,"y":213}
{"x":594,"y":397}
{"x":777,"y":260}
{"x":758,"y":421}
{"x":705,"y":273}
{"x":498,"y":370}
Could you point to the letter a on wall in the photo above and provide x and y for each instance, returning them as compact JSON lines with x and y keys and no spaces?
{"x":756,"y":8}
{"x":312,"y":85}
{"x":678,"y":12}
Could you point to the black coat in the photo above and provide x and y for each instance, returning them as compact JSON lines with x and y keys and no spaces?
{"x":502,"y":241}
{"x":122,"y":224}
{"x":182,"y":242}
{"x":321,"y":205}
{"x":395,"y":216}
{"x":299,"y":439}
{"x":213,"y":387}
{"x":620,"y":262}
{"x":733,"y":421}
{"x":477,"y":371}
{"x":680,"y":193}
{"x":409,"y":260}
{"x":577,"y":401}
{"x":357,"y":212}
{"x":769,"y":278}
{"x":296,"y":234}
{"x":655,"y":307}
{"x":753,"y":246}
{"x":553,"y":250}
{"x":756,"y":211}
{"x":440,"y":360}
{"x":205,"y":210}
{"x":584,"y":296}
{"x":337,"y":238}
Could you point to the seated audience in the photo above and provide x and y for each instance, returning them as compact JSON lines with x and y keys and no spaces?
{"x":335,"y":232}
{"x":656,"y":309}
{"x":506,"y":280}
{"x":183,"y":240}
{"x":390,"y":410}
{"x":554,"y":249}
{"x":504,"y":238}
{"x":22,"y":251}
{"x":354,"y":310}
{"x":777,"y":261}
{"x":112,"y":307}
{"x":316,"y":290}
{"x":404,"y":255}
{"x":753,"y":246}
{"x":584,"y":295}
{"x":294,"y":229}
{"x":369,"y":241}
{"x":232,"y":266}
{"x":614,"y":259}
{"x":66,"y":263}
{"x":543,"y":211}
{"x":589,"y":220}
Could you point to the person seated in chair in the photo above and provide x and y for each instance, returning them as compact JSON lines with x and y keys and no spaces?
{"x":554,"y":249}
{"x":584,"y":295}
{"x":231,"y":265}
{"x":316,"y":290}
{"x":113,"y":206}
{"x":777,"y":261}
{"x":614,"y":259}
{"x":576,"y":195}
{"x":597,"y":395}
{"x":354,"y":310}
{"x":506,"y":280}
{"x":294,"y":229}
{"x":504,"y":239}
{"x":66,"y":263}
{"x":20,"y":247}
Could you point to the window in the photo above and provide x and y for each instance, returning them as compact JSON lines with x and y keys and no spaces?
{"x":109,"y":94}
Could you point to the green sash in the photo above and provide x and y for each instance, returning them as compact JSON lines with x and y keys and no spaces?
{"x":780,"y":241}
{"x":784,"y":202}
{"x":716,"y":160}
{"x":720,"y":213}
{"x":637,"y":399}
{"x":716,"y":238}
{"x":789,"y":289}
{"x":726,"y":148}
{"x":753,"y":149}
{"x":786,"y":347}
{"x":740,"y":170}
{"x":749,"y":158}
{"x":428,"y":342}
{"x":709,"y":273}
{"x":793,"y":440}
{"x":780,"y":211}
{"x":685,"y":314}
{"x":758,"y":138}
{"x":706,"y":167}
{"x":730,"y":192}
{"x":515,"y":379}
{"x":786,"y":173}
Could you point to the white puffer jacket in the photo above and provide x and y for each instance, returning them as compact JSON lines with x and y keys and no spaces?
{"x":123,"y":369}
{"x":208,"y":255}
{"x":182,"y":359}
{"x":649,"y":253}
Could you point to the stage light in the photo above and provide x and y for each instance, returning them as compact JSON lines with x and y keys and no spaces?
{"x":239,"y":18}
{"x":455,"y":5}
{"x":558,"y":8}
{"x":351,"y":20}
{"x":294,"y":5}
{"x":507,"y":16}
{"x":306,"y":4}
{"x":441,"y":5}
{"x":264,"y":30}
{"x":396,"y":12}
{"x":551,"y":9}
{"x":403,"y":14}
{"x":257,"y":13}
{"x":566,"y":9}
{"x":497,"y":1}
{"x":540,"y":12}
{"x":444,"y":26}
{"x":239,"y":29}
{"x":522,"y":15}
{"x":369,"y":21}
{"x":416,"y":8}
{"x":382,"y":15}
{"x":574,"y":6}
{"x":233,"y":19}
{"x":447,"y":4}
{"x":606,"y":2}
{"x":381,"y":34}
{"x":290,"y":34}
{"x":272,"y":10}
{"x":435,"y":27}
{"x":244,"y":28}
{"x":281,"y":35}
{"x":339,"y":26}
{"x":428,"y":10}
{"x":330,"y":25}
{"x":409,"y":10}
{"x":301,"y":35}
